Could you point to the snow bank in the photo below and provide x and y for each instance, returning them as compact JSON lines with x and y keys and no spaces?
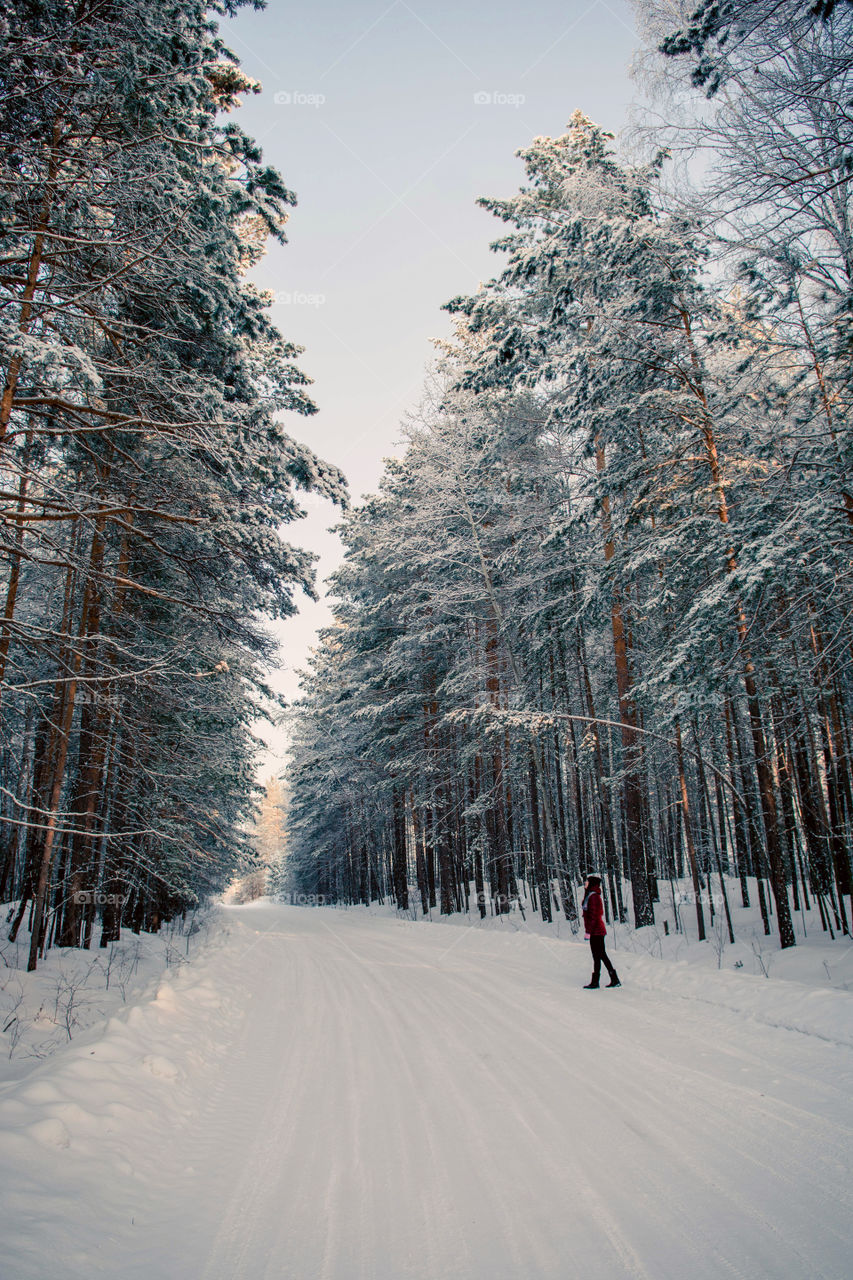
{"x":111,"y":1101}
{"x":74,"y":991}
{"x":812,"y":1010}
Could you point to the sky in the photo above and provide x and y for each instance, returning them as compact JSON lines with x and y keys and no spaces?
{"x":389,"y":120}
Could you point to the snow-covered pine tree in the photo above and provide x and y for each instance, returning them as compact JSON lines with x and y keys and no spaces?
{"x":593,"y":530}
{"x":141,"y":437}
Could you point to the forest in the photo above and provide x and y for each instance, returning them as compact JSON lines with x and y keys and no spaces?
{"x":597,"y":616}
{"x":145,"y":471}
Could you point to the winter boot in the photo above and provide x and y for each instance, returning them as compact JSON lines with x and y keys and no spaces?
{"x":614,"y":980}
{"x":592,"y":985}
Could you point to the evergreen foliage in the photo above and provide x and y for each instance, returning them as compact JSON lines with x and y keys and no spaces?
{"x":145,"y":471}
{"x":598,"y":614}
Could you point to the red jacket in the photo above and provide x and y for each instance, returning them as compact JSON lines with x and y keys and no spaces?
{"x":593,"y":914}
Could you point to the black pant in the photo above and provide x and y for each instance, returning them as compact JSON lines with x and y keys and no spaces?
{"x":596,"y":946}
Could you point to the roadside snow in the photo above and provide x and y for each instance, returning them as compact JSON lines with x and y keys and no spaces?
{"x":74,"y":991}
{"x":813,"y":1011}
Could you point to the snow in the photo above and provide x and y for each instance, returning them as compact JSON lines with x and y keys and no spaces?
{"x":74,"y":990}
{"x":356,"y":1096}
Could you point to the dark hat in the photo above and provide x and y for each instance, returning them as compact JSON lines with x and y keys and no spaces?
{"x":594,"y":882}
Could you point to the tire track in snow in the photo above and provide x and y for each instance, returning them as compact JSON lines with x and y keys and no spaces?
{"x":644,"y":1098}
{"x":247,"y":1206}
{"x":390,"y":1107}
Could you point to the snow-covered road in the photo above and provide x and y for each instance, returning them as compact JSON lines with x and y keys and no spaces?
{"x":333,"y":1095}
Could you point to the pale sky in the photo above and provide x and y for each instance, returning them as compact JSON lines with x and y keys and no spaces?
{"x":388,"y":120}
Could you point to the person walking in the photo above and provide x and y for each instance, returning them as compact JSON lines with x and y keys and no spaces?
{"x":593,"y":923}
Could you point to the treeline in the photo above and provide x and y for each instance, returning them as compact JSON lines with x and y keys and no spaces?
{"x":145,"y":474}
{"x":598,"y":615}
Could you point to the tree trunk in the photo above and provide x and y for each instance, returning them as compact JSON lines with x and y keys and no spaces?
{"x":688,"y":834}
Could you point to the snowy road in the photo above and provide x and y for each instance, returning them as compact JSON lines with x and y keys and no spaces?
{"x":337,"y":1096}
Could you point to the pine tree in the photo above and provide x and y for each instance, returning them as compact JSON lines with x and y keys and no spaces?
{"x":140,"y":427}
